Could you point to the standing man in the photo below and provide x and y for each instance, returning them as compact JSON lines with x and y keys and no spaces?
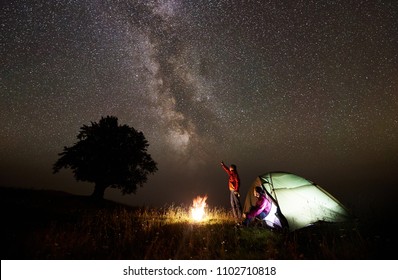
{"x":233,"y":184}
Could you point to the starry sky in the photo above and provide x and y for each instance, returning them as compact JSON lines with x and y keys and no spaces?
{"x":307,"y":87}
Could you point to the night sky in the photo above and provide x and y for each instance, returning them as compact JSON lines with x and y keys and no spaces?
{"x":307,"y":87}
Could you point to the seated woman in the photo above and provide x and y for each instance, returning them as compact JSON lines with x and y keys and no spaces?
{"x":261,"y":209}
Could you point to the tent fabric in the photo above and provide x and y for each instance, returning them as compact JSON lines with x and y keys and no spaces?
{"x":296,"y":200}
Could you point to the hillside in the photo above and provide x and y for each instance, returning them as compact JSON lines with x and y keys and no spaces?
{"x":38,"y":224}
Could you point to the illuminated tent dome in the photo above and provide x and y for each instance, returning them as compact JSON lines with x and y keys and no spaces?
{"x":297,"y":202}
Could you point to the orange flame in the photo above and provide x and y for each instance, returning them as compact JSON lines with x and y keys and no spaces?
{"x":198,"y":208}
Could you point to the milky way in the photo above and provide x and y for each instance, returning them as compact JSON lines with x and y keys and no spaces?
{"x":308,"y":87}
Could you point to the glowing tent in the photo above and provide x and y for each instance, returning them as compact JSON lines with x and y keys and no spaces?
{"x":297,"y":202}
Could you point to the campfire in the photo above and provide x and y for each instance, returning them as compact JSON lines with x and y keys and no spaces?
{"x":198,"y":212}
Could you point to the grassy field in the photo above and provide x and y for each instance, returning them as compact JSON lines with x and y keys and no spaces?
{"x":56,"y":225}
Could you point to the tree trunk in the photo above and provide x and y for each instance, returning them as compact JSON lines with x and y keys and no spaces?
{"x":99,"y":191}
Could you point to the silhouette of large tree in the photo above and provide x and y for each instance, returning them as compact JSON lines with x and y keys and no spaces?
{"x":109,"y":155}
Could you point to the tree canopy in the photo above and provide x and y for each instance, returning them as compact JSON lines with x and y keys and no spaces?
{"x":109,"y":155}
